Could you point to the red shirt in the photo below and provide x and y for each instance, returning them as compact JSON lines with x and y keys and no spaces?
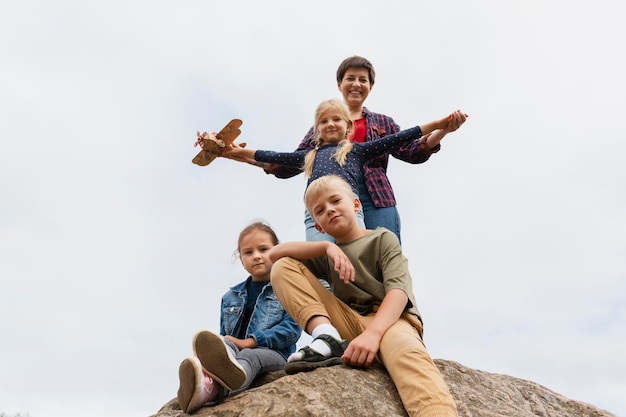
{"x":358,"y":134}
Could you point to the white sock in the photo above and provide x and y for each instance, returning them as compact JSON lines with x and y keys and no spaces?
{"x":318,"y":345}
{"x":325,"y":328}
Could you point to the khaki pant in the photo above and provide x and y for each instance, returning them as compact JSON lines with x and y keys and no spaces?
{"x":421,"y":387}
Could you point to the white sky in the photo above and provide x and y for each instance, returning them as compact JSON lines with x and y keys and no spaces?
{"x":115,"y":249}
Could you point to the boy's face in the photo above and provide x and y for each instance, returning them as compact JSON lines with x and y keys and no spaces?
{"x":334,"y":212}
{"x":355,"y":86}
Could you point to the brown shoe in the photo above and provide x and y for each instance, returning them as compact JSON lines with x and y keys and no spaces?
{"x":196,"y":387}
{"x":217,"y":360}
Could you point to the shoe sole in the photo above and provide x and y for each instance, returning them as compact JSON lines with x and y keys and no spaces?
{"x":190,"y":388}
{"x":217,"y":360}
{"x":304,"y":366}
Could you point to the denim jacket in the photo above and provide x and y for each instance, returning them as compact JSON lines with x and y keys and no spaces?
{"x":270,"y":325}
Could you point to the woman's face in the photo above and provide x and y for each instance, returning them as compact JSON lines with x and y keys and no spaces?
{"x":355,"y":87}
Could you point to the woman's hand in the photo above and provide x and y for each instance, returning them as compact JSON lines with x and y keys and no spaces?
{"x":455,"y":120}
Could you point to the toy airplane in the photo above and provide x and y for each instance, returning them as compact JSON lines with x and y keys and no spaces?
{"x":213,"y":143}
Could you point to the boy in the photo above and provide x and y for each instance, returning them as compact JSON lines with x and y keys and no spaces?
{"x":372,"y":304}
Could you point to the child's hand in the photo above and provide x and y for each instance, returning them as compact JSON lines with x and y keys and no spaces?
{"x":233,"y":151}
{"x":455,"y":120}
{"x":452,"y":122}
{"x":249,"y":343}
{"x":342,"y":263}
{"x":362,"y":350}
{"x":238,"y":152}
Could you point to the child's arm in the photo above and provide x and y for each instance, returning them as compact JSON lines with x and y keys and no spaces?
{"x":432,"y":133}
{"x":282,"y":334}
{"x":237,"y":152}
{"x":261,"y":158}
{"x":445,"y":124}
{"x":299,"y":250}
{"x":308,"y":250}
{"x":249,"y":343}
{"x":284,"y":171}
{"x":435,"y":137}
{"x":362,"y":350}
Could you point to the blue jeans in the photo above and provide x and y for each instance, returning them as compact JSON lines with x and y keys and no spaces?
{"x":255,"y":362}
{"x":313,"y":235}
{"x":387,"y":217}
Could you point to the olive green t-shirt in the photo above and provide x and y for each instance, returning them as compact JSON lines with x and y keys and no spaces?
{"x":379,"y":267}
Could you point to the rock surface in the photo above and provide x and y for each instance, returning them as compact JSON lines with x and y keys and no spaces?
{"x":340,"y":391}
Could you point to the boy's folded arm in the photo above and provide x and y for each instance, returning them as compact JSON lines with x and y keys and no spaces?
{"x":299,"y":250}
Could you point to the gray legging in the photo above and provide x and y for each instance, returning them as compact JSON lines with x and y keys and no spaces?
{"x":255,"y":362}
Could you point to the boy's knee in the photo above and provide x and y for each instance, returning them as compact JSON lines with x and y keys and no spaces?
{"x":283,"y":268}
{"x":278,"y":267}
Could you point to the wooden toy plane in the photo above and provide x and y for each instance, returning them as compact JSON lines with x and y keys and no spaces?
{"x":213,"y":143}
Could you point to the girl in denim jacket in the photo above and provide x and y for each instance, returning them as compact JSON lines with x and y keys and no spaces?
{"x":256,"y":333}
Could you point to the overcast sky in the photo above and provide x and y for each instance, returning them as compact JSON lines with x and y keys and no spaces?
{"x":115,"y":249}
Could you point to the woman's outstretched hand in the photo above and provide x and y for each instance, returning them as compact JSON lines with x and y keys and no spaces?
{"x":455,"y":120}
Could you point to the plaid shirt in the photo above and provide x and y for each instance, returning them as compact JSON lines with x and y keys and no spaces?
{"x":375,"y":170}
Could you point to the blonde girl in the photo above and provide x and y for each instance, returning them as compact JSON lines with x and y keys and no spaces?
{"x":334,"y":153}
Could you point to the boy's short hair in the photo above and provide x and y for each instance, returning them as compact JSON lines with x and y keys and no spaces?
{"x":322,"y":185}
{"x":356,"y":62}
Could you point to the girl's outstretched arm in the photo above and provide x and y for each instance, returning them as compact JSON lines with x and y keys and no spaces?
{"x":433,"y":139}
{"x":235,"y":151}
{"x":448,"y":122}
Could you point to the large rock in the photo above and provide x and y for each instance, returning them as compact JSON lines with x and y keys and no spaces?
{"x":340,"y":391}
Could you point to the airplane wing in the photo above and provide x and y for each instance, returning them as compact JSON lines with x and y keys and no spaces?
{"x":212,"y":144}
{"x":230,"y":131}
{"x":204,"y":158}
